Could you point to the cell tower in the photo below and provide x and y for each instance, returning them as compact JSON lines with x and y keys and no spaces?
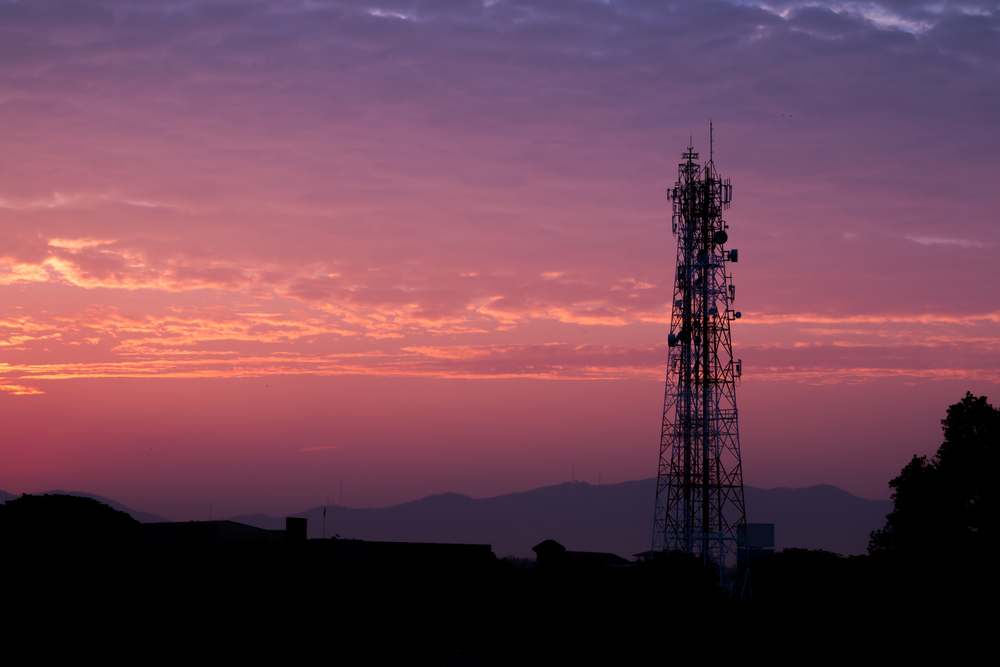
{"x":699,"y":489}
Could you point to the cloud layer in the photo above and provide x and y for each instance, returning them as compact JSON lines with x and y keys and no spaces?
{"x":277,"y":178}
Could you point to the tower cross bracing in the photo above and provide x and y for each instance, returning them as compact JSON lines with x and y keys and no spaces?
{"x":699,"y":490}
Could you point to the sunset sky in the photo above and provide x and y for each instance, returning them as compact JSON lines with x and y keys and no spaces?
{"x":251,"y":251}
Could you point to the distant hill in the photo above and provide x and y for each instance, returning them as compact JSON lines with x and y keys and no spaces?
{"x":142,"y":517}
{"x":614,"y":518}
{"x":818,"y":517}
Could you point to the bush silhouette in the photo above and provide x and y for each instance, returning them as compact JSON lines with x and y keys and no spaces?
{"x":69,"y":523}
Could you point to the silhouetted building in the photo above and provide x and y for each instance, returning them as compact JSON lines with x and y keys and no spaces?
{"x":295,"y":529}
{"x":552,"y":555}
{"x":229,"y":538}
{"x":756,"y":539}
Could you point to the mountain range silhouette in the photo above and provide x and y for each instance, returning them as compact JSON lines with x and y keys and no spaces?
{"x":614,"y":518}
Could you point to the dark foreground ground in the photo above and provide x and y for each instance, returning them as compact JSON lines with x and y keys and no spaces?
{"x":282,"y":601}
{"x":84,"y":581}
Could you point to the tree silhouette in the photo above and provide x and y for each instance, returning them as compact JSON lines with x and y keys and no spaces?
{"x":63,"y":523}
{"x":946,"y":506}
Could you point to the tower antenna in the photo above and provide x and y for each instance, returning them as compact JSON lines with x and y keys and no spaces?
{"x":700,"y":507}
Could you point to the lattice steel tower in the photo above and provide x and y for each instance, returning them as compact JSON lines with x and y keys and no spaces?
{"x":699,"y":489}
